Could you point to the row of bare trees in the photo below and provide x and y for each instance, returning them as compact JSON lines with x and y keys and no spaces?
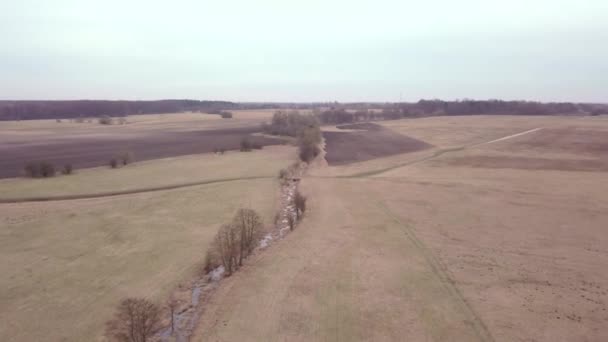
{"x":235,"y":241}
{"x":138,"y":319}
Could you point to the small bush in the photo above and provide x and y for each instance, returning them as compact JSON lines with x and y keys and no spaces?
{"x":113,"y":163}
{"x":226,"y":115}
{"x":125,"y":157}
{"x":292,"y":221}
{"x":39,"y":169}
{"x":246,"y":145}
{"x":58,"y":120}
{"x":32,"y":169}
{"x":47,"y":169}
{"x":299,"y":202}
{"x":283,"y":174}
{"x":105,"y":120}
{"x":67,"y":169}
{"x":211,"y":261}
{"x":256,"y":145}
{"x":79,"y":120}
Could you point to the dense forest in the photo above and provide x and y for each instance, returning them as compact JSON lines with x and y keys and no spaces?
{"x":29,"y":110}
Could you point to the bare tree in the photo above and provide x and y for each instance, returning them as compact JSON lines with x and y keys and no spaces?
{"x":227,"y":246}
{"x":299,"y":201}
{"x":249,"y":225}
{"x":136,"y":320}
{"x":172,"y":306}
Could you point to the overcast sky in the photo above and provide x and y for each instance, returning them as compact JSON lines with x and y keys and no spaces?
{"x":309,"y":50}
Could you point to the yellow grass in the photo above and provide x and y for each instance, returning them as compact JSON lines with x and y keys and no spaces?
{"x":66,"y":265}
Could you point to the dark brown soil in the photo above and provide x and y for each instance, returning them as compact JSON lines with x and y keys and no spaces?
{"x":527,"y":163}
{"x":376,"y":141}
{"x":94,"y":151}
{"x":367,"y":126}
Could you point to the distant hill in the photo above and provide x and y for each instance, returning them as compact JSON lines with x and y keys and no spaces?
{"x":32,"y":110}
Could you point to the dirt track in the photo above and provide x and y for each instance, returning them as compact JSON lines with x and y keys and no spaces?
{"x":94,"y":151}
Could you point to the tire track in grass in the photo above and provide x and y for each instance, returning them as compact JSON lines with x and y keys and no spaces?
{"x":439,"y":270}
{"x":125,"y":192}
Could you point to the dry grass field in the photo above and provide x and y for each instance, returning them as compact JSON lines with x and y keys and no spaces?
{"x":467,"y":241}
{"x":66,"y":264}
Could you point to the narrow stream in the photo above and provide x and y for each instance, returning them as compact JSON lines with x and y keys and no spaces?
{"x":186,"y":318}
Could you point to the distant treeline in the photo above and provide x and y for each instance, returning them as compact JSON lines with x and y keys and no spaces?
{"x":329,"y":112}
{"x":30,"y":110}
{"x":349,"y":113}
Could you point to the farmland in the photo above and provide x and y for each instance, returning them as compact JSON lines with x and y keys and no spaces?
{"x":484,"y":228}
{"x":89,"y":144}
{"x":431,"y":246}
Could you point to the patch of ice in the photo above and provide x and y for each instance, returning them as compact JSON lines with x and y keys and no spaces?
{"x":217,"y":273}
{"x":196,"y":295}
{"x":265,"y":241}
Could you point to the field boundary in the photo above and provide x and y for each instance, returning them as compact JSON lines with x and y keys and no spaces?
{"x":437,"y":154}
{"x":437,"y":267}
{"x":412,"y":162}
{"x":125,"y":192}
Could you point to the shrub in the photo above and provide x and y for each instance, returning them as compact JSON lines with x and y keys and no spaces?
{"x":32,"y":169}
{"x":67,"y":169}
{"x":135,"y":320}
{"x":246,"y":145}
{"x":211,"y":261}
{"x":39,"y":169}
{"x":105,"y":120}
{"x":125,"y":157}
{"x":299,"y":202}
{"x":47,"y":169}
{"x":113,"y":163}
{"x":58,"y":120}
{"x":283,"y":174}
{"x":226,"y":115}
